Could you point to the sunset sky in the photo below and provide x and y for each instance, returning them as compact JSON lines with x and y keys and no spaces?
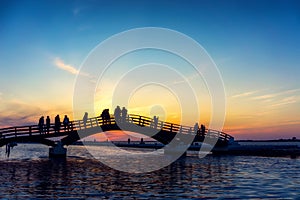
{"x":255,"y":45}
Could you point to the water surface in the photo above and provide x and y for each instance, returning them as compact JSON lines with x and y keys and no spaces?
{"x":29,"y":173}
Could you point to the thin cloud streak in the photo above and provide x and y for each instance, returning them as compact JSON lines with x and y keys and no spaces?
{"x":285,"y":101}
{"x":263,"y":97}
{"x":61,"y":65}
{"x":270,"y":96}
{"x":245,"y":94}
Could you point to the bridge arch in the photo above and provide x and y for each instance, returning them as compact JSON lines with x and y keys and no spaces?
{"x":163,"y":132}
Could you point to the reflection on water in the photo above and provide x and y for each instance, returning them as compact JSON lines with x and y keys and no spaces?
{"x":32,"y":175}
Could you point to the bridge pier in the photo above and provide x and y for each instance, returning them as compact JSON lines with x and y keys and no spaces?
{"x":175,"y":154}
{"x":58,"y":151}
{"x":176,"y":150}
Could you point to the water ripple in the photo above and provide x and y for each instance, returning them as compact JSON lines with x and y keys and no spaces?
{"x":33,"y":175}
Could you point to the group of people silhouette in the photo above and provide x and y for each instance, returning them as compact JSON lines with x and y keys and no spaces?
{"x":120,"y":115}
{"x":45,"y":127}
{"x":199,"y":131}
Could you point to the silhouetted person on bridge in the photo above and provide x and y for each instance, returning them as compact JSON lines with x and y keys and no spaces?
{"x":124,"y":114}
{"x":117,"y":114}
{"x":41,"y":124}
{"x":48,"y":124}
{"x":57,"y":124}
{"x":85,"y":118}
{"x":66,"y":122}
{"x":196,"y":128}
{"x":202,"y":130}
{"x":105,"y":116}
{"x":155,"y":122}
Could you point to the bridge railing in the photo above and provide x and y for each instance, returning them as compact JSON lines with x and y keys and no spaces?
{"x":165,"y":126}
{"x":139,"y":120}
{"x":171,"y":127}
{"x":89,"y":123}
{"x":18,"y":130}
{"x":31,"y":130}
{"x":99,"y":121}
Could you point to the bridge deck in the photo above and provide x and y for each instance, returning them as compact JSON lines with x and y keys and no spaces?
{"x":77,"y":129}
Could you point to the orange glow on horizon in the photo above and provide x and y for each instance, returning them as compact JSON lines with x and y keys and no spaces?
{"x":117,"y":136}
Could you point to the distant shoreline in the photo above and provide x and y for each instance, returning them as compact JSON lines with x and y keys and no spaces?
{"x":268,"y":140}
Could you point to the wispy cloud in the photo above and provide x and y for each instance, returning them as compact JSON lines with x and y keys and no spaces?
{"x":281,"y":98}
{"x":273,"y":95}
{"x":285,"y":101}
{"x":22,"y":113}
{"x":79,"y":9}
{"x":17,"y":112}
{"x":61,"y":65}
{"x":266,"y":96}
{"x":245,"y":94}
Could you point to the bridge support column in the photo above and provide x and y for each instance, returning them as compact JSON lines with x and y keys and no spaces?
{"x":175,"y":154}
{"x":58,"y":151}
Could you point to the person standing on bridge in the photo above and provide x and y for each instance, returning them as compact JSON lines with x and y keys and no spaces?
{"x":155,"y":122}
{"x":48,"y":124}
{"x":196,"y":128}
{"x":41,"y":124}
{"x":117,"y":114}
{"x":57,"y":124}
{"x":105,"y":116}
{"x":66,"y":122}
{"x":124,"y":114}
{"x":85,"y":118}
{"x":202,"y":130}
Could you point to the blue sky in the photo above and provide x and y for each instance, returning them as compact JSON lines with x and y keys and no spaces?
{"x":255,"y":44}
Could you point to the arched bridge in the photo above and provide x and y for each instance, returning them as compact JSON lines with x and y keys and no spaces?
{"x":164,"y":132}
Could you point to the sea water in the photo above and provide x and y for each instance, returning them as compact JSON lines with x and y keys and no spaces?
{"x":29,"y":173}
